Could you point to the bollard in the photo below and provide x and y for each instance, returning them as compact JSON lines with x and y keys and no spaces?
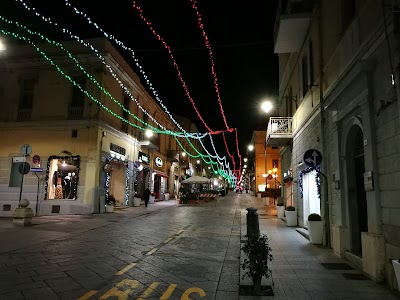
{"x":252,"y":220}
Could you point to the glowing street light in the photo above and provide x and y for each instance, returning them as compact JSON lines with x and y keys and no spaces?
{"x":266,"y":106}
{"x":245,"y":160}
{"x":148,"y":133}
{"x":2,"y":46}
{"x":250,"y":147}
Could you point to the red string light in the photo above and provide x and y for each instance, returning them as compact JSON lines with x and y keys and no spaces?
{"x":237,"y":148}
{"x":166,"y":46}
{"x":227,"y":149}
{"x":208,"y":45}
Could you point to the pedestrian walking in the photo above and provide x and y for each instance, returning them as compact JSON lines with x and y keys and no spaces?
{"x":146,"y":196}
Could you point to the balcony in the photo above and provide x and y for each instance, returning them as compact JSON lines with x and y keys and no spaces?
{"x":279,"y":131}
{"x":291,"y":25}
{"x":150,"y":143}
{"x":173,"y":156}
{"x":75,"y":113}
{"x":24,"y":114}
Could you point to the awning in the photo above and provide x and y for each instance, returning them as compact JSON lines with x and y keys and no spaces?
{"x":159,"y":173}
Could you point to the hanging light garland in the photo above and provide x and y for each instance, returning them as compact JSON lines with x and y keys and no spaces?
{"x":317,"y":180}
{"x":194,"y":135}
{"x":114,"y":75}
{"x":198,"y":136}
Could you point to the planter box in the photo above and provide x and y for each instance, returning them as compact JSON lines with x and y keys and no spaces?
{"x":136,"y":201}
{"x":109,"y":208}
{"x":315,"y":230}
{"x":396,"y":266}
{"x":281,"y":211}
{"x":291,"y":217}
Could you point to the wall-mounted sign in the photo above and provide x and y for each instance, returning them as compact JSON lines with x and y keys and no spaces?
{"x":117,"y":149}
{"x":158,"y":161}
{"x":144,"y":158}
{"x":368,"y":181}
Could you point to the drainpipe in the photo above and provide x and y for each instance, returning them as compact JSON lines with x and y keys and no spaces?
{"x":396,"y":35}
{"x":324,"y":187}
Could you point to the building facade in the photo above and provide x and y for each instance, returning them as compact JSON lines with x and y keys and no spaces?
{"x":85,"y":128}
{"x":338,"y":95}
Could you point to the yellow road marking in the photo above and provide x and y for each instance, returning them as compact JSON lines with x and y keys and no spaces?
{"x":121,"y":295}
{"x":152,"y":251}
{"x":149,"y":290}
{"x":189,"y":291}
{"x":180,"y":231}
{"x":168,"y":292}
{"x":168,"y":240}
{"x":130,"y":266}
{"x":87,"y":295}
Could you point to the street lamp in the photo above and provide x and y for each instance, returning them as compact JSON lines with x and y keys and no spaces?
{"x":250,"y":147}
{"x":2,"y":46}
{"x":266,"y":106}
{"x":245,"y":160}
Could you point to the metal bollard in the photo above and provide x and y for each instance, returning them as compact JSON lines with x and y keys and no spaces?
{"x":252,"y":220}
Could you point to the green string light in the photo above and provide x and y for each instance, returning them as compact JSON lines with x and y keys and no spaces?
{"x":15,"y":35}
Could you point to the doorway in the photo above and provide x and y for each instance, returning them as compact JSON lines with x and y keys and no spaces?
{"x":118,"y":182}
{"x":357,"y":198}
{"x":311,"y":200}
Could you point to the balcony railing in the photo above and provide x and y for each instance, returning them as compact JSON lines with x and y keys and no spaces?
{"x":75,"y":112}
{"x":279,"y":131}
{"x":291,"y":23}
{"x":24,"y":114}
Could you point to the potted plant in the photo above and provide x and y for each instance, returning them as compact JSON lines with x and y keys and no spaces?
{"x":280,"y":208}
{"x":137,"y":199}
{"x":152,"y":197}
{"x":396,"y":266}
{"x":110,"y":204}
{"x":315,"y":228}
{"x":291,"y":216}
{"x":258,"y":254}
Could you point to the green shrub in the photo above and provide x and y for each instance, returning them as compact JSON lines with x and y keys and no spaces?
{"x":290,"y":208}
{"x":258,"y":253}
{"x":314,"y":217}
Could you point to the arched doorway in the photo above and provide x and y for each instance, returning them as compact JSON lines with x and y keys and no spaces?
{"x":357,"y":199}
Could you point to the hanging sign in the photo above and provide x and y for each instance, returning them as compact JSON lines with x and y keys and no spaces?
{"x":158,"y":162}
{"x":144,"y":158}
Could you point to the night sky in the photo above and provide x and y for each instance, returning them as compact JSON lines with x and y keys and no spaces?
{"x":240,"y":33}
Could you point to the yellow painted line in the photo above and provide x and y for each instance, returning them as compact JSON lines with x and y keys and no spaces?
{"x":193,"y":290}
{"x":87,"y":295}
{"x":152,"y":251}
{"x":179,"y":232}
{"x":168,"y":240}
{"x":128,"y":267}
{"x":148,"y":291}
{"x":168,"y":292}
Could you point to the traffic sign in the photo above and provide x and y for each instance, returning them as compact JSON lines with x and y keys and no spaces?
{"x":26,"y":149}
{"x":312,"y":158}
{"x":24,"y":168}
{"x":18,"y":159}
{"x":269,"y":176}
{"x":36,"y":169}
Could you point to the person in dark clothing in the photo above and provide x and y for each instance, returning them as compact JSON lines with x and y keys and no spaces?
{"x":146,"y":196}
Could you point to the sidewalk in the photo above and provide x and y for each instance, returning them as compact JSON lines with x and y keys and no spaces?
{"x":47,"y":228}
{"x":301,"y":270}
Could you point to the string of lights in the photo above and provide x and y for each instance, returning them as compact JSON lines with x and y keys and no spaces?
{"x":37,"y":48}
{"x":148,"y":23}
{"x":184,"y":134}
{"x":114,"y":75}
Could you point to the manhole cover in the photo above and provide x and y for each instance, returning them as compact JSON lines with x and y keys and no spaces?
{"x":337,"y":266}
{"x":352,"y":276}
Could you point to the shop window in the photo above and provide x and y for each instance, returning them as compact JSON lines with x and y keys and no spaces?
{"x":63,"y":174}
{"x":15,"y":175}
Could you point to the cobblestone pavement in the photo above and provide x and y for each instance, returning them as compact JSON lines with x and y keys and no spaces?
{"x":165,"y":251}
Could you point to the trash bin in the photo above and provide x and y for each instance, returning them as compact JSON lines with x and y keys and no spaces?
{"x":252,"y":220}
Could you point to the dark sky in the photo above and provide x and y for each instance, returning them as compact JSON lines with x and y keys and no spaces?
{"x":240,"y":33}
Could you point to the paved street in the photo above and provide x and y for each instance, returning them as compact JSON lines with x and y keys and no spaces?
{"x":165,"y":251}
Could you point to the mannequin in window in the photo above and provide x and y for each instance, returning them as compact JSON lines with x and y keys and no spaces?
{"x":67,"y":186}
{"x":59,"y":190}
{"x":73,"y":182}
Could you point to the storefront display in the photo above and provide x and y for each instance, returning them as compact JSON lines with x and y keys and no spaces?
{"x":62,"y":177}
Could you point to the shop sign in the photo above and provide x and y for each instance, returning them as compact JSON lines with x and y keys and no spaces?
{"x":117,"y":149}
{"x":144,"y":158}
{"x":158,"y":161}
